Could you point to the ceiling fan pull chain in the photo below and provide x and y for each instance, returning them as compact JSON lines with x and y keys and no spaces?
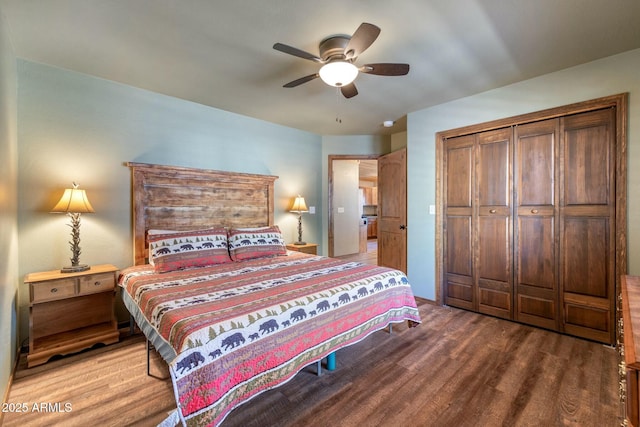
{"x":338,"y":119}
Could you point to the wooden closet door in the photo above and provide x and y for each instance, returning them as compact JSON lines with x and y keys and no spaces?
{"x":494,"y":237}
{"x":536,"y":219}
{"x":587,"y":227}
{"x":458,"y":263}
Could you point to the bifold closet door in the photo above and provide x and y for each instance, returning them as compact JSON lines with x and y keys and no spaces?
{"x":494,"y":237}
{"x":478,"y":244}
{"x":587,"y":227}
{"x":458,"y":236}
{"x":536,"y":223}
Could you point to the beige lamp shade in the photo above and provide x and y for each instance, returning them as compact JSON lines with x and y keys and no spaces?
{"x":299,"y":205}
{"x":73,"y":200}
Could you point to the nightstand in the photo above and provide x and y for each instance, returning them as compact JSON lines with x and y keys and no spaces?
{"x":307,"y":248}
{"x":69,"y":312}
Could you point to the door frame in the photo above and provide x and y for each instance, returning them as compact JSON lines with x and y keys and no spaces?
{"x":619,"y":101}
{"x":331,"y":158}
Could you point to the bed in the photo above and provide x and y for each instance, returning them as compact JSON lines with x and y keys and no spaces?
{"x":231,"y":311}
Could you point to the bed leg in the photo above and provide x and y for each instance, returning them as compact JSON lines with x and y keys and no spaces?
{"x":148,"y":358}
{"x":149,"y":374}
{"x":132,"y":325}
{"x":331,"y":362}
{"x":390,"y":328}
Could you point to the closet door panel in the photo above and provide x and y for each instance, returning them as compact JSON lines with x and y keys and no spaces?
{"x":585,"y":259}
{"x":587,"y":310}
{"x":493,"y":168}
{"x":587,"y":229}
{"x":459,"y":169}
{"x":459,"y":276}
{"x":494,"y":266}
{"x":588,"y":161}
{"x":494,"y":237}
{"x":536,"y":158}
{"x":536,"y":244}
{"x":458,"y":237}
{"x":536,"y":274}
{"x":536,"y":218}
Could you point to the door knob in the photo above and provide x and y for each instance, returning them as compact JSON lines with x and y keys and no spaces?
{"x":403,"y":227}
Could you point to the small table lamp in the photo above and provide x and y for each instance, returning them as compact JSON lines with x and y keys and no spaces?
{"x":74,"y":202}
{"x":299,"y":207}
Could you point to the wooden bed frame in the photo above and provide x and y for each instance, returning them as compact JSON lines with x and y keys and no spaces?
{"x":180,"y":198}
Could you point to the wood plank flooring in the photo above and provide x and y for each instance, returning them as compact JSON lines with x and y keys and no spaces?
{"x":369,"y":257}
{"x":456,"y":369}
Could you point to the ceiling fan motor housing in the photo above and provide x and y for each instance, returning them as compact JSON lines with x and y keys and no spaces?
{"x":333,"y":47}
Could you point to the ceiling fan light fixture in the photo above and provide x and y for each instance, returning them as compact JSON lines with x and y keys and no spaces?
{"x":338,"y":73}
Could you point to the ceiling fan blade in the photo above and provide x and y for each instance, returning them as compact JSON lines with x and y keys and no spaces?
{"x":302,"y":80}
{"x":364,"y":37}
{"x":296,"y":52}
{"x":349,"y":91}
{"x":386,"y":69}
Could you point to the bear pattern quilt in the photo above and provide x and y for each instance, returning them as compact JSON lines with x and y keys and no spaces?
{"x":241,"y":328}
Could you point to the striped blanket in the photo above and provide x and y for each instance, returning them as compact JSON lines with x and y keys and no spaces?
{"x":241,"y":328}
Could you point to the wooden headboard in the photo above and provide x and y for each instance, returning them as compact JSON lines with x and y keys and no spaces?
{"x":179,"y":198}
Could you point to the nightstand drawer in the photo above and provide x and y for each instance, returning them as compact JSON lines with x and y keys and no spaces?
{"x":56,"y":289}
{"x":307,"y":248}
{"x":96,"y":283}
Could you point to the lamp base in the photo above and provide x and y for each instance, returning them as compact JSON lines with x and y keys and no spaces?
{"x":299,"y":243}
{"x":75,"y":268}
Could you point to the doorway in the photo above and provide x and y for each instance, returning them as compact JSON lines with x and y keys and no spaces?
{"x":352,"y":200}
{"x":390,"y":209}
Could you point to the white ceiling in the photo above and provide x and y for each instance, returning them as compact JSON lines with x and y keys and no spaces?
{"x":219,"y":52}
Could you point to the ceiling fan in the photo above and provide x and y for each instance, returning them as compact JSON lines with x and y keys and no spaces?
{"x":337,"y":56}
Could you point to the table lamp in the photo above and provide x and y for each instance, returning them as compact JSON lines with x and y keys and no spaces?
{"x":299,"y":207}
{"x":74,"y":202}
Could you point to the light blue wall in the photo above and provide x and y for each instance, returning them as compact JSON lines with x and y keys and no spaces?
{"x":609,"y":76}
{"x":74,"y":127}
{"x":8,"y":208}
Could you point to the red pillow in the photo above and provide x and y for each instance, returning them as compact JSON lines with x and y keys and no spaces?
{"x":249,"y":243}
{"x":187,"y":249}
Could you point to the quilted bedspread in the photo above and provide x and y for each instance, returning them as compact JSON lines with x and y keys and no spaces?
{"x":241,"y":328}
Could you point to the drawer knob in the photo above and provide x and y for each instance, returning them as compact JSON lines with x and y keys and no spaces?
{"x":492,"y":211}
{"x":96,"y":283}
{"x":534,"y":211}
{"x":54,"y":290}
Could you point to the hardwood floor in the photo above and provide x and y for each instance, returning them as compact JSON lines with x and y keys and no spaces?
{"x":457,"y":368}
{"x":369,"y":257}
